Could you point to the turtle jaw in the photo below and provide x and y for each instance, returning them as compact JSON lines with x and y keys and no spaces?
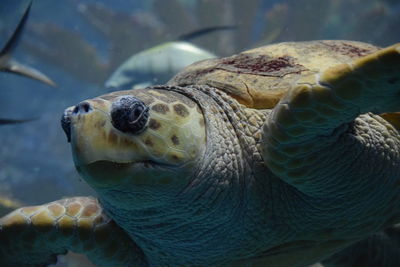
{"x":108,"y":152}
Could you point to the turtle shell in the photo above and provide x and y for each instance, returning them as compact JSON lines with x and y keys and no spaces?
{"x":259,"y":77}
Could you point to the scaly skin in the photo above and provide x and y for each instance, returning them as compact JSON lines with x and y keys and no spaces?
{"x":33,"y":236}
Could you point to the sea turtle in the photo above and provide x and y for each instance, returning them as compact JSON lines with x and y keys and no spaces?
{"x":278,"y":156}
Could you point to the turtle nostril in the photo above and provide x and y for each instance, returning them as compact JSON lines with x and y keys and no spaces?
{"x":129,"y":114}
{"x":83,"y":107}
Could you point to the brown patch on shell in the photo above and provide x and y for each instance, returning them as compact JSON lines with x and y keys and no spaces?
{"x":153,"y":124}
{"x":160,"y":108}
{"x":261,"y":65}
{"x":181,"y":110}
{"x":348,"y":49}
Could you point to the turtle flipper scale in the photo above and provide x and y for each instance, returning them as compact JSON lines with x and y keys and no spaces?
{"x":310,"y":118}
{"x":34,"y":236}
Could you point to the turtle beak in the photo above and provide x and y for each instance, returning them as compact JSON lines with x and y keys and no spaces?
{"x":81,"y":108}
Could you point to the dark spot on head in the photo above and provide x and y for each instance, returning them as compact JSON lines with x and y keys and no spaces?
{"x":148,"y":142}
{"x":175,"y":157}
{"x":160,"y":108}
{"x":181,"y":110}
{"x":153,"y":124}
{"x":175,"y":140}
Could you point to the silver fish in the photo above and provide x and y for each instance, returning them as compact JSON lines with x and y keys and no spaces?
{"x":8,"y":64}
{"x":158,"y":64}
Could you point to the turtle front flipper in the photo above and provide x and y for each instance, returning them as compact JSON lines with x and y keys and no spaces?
{"x":33,"y":236}
{"x":304,"y":138}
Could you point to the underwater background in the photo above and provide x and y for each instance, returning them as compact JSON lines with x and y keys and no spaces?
{"x":79,"y":43}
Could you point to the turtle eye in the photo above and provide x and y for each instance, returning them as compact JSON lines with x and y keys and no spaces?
{"x":129,"y":114}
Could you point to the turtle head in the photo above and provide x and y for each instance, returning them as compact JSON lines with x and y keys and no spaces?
{"x":141,"y":142}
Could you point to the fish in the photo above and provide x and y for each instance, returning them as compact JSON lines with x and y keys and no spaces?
{"x":160,"y":63}
{"x":14,"y":121}
{"x":8,"y":64}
